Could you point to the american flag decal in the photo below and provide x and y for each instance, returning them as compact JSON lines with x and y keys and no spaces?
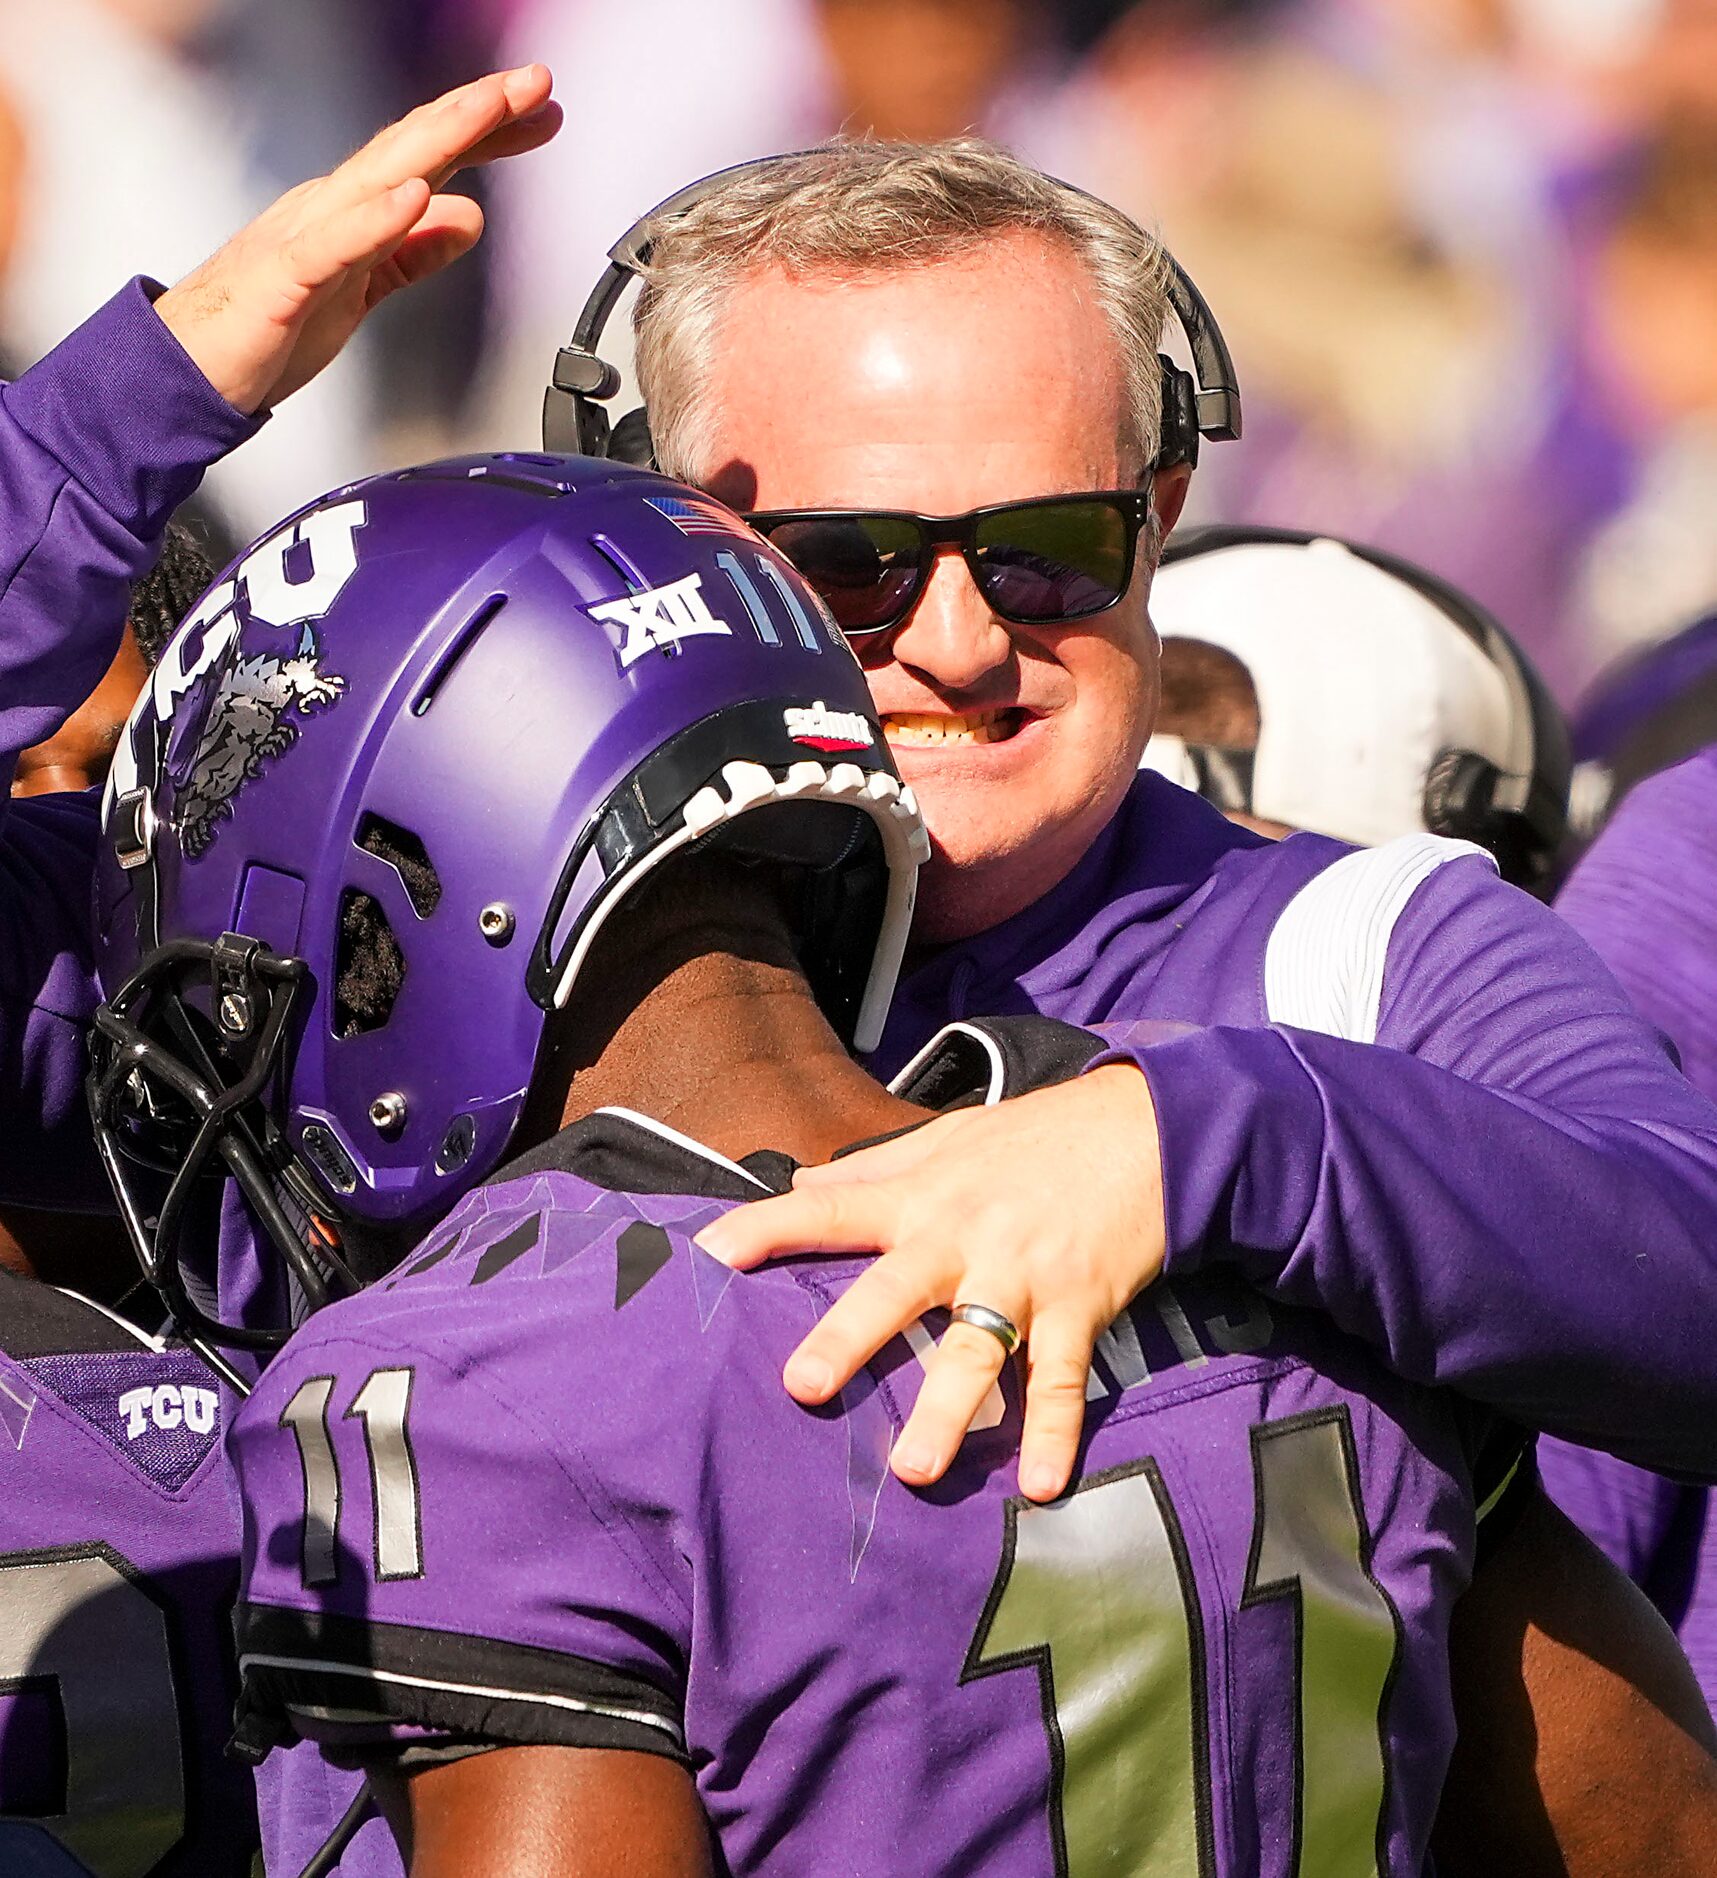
{"x":692,"y":516}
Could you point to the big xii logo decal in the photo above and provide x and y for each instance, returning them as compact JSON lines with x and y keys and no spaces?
{"x":659,"y":618}
{"x":289,"y":580}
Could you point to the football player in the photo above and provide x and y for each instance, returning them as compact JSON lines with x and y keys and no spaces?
{"x":117,"y":1579}
{"x":118,"y":1518}
{"x":1645,"y":896}
{"x":1248,"y":616}
{"x":1314,"y":683}
{"x":1440,"y":1273}
{"x":532,"y":1536}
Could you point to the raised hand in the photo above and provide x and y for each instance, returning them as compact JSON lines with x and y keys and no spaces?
{"x":266,"y":312}
{"x":1047,"y":1208}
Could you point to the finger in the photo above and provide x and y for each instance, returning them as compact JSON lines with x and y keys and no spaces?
{"x":449,"y":227}
{"x":879,"y":1304}
{"x":355,"y":236}
{"x":957,"y":1378}
{"x":435,"y":137}
{"x":1058,"y":1362}
{"x":902,"y":1155}
{"x":857,"y":1218}
{"x":511,"y":139}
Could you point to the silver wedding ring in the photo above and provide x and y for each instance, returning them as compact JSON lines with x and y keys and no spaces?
{"x":981,"y":1317}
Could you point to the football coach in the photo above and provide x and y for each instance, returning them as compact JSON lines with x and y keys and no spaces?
{"x":1389,"y":1086}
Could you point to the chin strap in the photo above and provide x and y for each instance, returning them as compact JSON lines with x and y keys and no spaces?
{"x":327,"y":1858}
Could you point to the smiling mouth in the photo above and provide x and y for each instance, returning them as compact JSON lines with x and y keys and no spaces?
{"x":919,"y":729}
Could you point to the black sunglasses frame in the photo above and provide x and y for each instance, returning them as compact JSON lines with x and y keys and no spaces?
{"x":961,"y":531}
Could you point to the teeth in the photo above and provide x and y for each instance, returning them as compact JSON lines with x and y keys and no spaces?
{"x":912,"y":727}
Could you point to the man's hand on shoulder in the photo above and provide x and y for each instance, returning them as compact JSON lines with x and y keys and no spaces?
{"x":1046,"y":1208}
{"x":270,"y":309}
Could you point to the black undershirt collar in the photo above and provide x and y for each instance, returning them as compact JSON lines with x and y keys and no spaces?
{"x":969,"y":1064}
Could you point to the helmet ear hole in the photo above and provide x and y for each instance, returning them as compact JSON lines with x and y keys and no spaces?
{"x":405,"y":853}
{"x":369,"y":966}
{"x":1459,"y":793}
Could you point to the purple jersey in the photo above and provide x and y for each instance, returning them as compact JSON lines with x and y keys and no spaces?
{"x":543,"y":1486}
{"x":118,"y":1568}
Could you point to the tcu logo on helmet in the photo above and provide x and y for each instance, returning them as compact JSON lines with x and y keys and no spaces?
{"x":167,"y":1406}
{"x":289,"y":579}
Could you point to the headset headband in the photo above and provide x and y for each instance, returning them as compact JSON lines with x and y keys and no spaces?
{"x":1194,"y":407}
{"x":1532,"y":784}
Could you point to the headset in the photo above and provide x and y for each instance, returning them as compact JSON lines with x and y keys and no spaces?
{"x":1518,"y":811}
{"x":574,"y":421}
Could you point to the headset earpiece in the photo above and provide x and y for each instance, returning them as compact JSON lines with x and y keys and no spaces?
{"x":631,"y":441}
{"x":574,"y":420}
{"x":1180,"y":433}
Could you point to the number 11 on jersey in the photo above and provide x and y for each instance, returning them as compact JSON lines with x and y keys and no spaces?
{"x":1096,"y":1593}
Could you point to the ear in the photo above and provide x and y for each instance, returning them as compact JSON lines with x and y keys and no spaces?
{"x":1168,"y":494}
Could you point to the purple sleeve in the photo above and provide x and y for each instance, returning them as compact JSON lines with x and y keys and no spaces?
{"x":1512,"y":1193}
{"x":99,"y":443}
{"x":430,"y":1560}
{"x":1628,"y":1512}
{"x":1644,"y":897}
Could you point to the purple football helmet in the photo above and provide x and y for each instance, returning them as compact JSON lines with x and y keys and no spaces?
{"x":387,"y":783}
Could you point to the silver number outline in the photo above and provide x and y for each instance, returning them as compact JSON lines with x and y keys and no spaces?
{"x":1040,"y":1657}
{"x":89,"y":1845}
{"x":395,"y":1491}
{"x":1290,"y":1585}
{"x":1255,"y":1592}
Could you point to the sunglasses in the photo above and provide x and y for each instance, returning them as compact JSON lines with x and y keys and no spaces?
{"x":1036,"y":563}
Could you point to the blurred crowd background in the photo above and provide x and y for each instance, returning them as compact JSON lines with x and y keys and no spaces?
{"x":1465,"y":251}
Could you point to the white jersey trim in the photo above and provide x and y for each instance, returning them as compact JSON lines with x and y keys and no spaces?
{"x":1324,"y":963}
{"x":610,"y":1711}
{"x":992,"y":1049}
{"x":157,"y":1344}
{"x":684,"y":1141}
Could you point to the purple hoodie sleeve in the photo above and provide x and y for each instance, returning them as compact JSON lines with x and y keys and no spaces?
{"x":99,"y":443}
{"x":1512,"y":1192}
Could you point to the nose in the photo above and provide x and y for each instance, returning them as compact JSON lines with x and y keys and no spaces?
{"x":951,"y":639}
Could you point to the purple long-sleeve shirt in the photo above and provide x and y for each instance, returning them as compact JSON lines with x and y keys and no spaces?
{"x":1408,"y":1095}
{"x":98,"y":445}
{"x":1646,"y":898}
{"x":1515,"y":1196}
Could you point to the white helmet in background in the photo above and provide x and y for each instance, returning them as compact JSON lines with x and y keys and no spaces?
{"x":1387,"y":703}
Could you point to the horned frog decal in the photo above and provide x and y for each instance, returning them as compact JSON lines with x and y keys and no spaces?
{"x":252,"y":720}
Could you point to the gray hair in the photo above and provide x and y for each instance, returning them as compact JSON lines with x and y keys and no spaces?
{"x":867,"y":208}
